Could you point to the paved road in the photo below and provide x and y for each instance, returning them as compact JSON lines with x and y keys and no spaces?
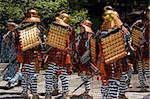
{"x":133,"y":93}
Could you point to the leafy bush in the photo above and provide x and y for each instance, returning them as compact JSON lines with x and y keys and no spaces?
{"x":47,"y":9}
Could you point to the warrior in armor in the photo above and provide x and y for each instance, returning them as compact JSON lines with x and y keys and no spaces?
{"x":28,"y":43}
{"x":112,"y":57}
{"x":140,"y":29}
{"x":61,"y":39}
{"x":146,"y":47}
{"x":8,"y":54}
{"x":86,"y":55}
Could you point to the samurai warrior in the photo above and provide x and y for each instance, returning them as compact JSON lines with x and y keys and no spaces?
{"x":112,"y":58}
{"x":140,"y":30}
{"x":28,"y":43}
{"x":8,"y":55}
{"x":61,"y":39}
{"x":86,"y":55}
{"x":146,"y":47}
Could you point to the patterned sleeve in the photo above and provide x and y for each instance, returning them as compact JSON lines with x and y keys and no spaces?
{"x":73,"y":40}
{"x":73,"y":52}
{"x":127,"y":36}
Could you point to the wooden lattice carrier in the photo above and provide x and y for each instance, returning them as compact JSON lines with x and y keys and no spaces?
{"x":29,"y":37}
{"x":57,"y":36}
{"x":113,"y":47}
{"x":136,"y":36}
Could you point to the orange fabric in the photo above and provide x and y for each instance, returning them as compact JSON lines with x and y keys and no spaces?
{"x":102,"y":69}
{"x":68,"y":61}
{"x":103,"y":74}
{"x":38,"y":63}
{"x":20,"y":58}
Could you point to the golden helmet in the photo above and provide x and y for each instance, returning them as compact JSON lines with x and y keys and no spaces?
{"x":64,"y":17}
{"x":108,"y":8}
{"x":87,"y":25}
{"x":112,"y":16}
{"x":32,"y":16}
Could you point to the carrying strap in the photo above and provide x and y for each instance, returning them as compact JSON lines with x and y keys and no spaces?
{"x":87,"y":44}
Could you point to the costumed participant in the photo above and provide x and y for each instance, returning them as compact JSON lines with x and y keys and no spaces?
{"x":8,"y":43}
{"x":29,"y":46}
{"x":8,"y":55}
{"x":112,"y":56}
{"x":140,"y":38}
{"x":130,"y":55}
{"x":61,"y":39}
{"x":86,"y":49}
{"x":146,"y":47}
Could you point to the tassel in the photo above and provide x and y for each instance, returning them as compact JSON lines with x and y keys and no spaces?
{"x":19,"y":58}
{"x":102,"y":69}
{"x":103,"y":74}
{"x":68,"y":61}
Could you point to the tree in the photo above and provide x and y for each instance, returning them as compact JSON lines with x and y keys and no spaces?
{"x":48,"y":9}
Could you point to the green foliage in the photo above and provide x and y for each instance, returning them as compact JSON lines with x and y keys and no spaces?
{"x":78,"y":16}
{"x":48,"y":9}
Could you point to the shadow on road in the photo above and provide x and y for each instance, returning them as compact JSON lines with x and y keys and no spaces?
{"x":6,"y":88}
